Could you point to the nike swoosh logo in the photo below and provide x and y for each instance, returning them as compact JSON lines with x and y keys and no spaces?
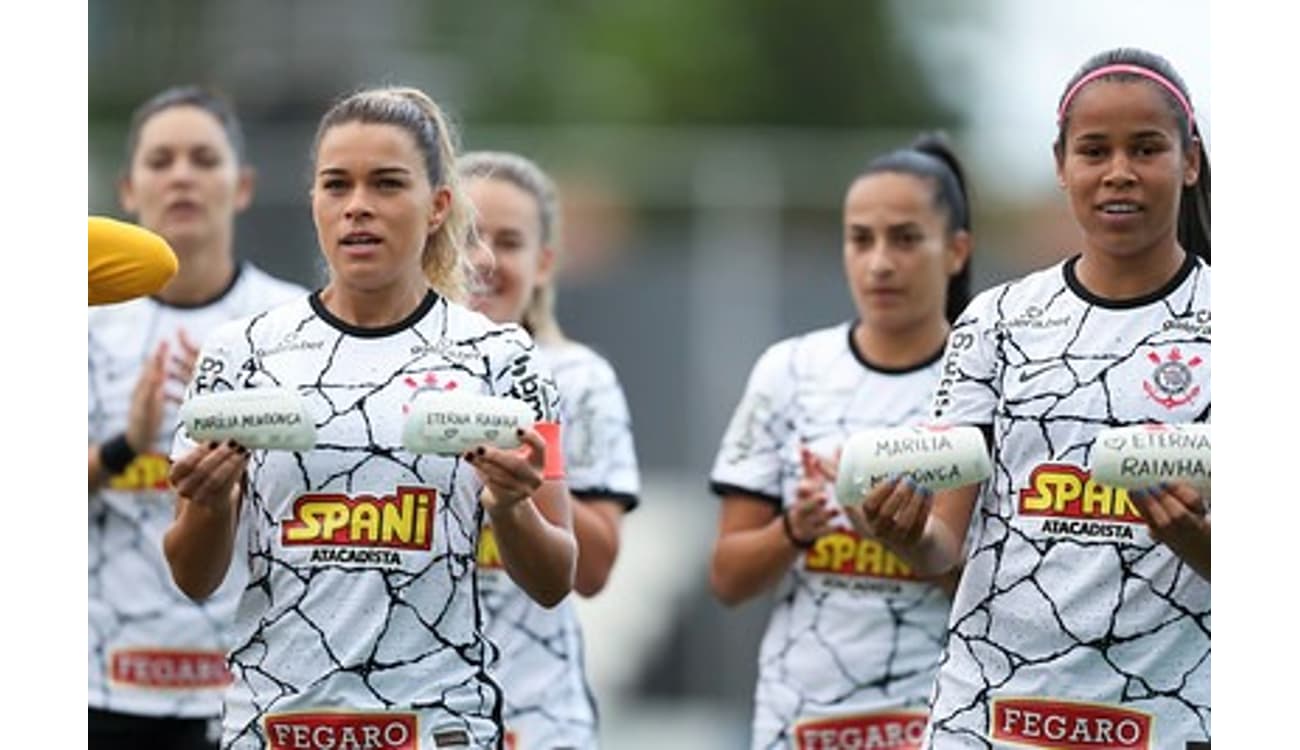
{"x":1026,"y":376}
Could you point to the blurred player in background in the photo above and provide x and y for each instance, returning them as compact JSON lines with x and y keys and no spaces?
{"x":1083,"y":613}
{"x":849,"y":655}
{"x":157,"y":660}
{"x":548,"y":701}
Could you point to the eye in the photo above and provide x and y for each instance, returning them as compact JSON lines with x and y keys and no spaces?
{"x":333,"y":184}
{"x":158,"y":160}
{"x":390,"y":183}
{"x":206,"y":159}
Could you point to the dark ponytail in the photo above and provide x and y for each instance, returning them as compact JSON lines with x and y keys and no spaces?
{"x":1194,"y":204}
{"x":930,"y":157}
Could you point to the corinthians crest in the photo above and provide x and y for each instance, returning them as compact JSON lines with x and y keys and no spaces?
{"x":1172,"y":383}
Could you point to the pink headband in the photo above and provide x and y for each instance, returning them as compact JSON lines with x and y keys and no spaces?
{"x":1106,"y":70}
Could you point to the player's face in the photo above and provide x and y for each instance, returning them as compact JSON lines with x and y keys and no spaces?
{"x":184,"y":181}
{"x":510,"y":225}
{"x":898,"y":252}
{"x":374,"y":206}
{"x":1123,"y":167}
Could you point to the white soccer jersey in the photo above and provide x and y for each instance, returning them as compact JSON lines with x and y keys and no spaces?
{"x":849,"y":655}
{"x":1071,"y":626}
{"x":360,"y":625}
{"x":153,"y":652}
{"x":548,"y":704}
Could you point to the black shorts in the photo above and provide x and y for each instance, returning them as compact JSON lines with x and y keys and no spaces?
{"x":114,"y":731}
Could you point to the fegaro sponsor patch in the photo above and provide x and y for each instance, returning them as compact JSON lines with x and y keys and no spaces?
{"x":403,"y":520}
{"x":147,"y":472}
{"x":846,"y":553}
{"x":342,"y":731}
{"x":891,"y":730}
{"x":1067,"y":725}
{"x":169,"y":669}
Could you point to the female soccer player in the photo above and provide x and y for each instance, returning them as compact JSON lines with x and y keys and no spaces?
{"x":548,"y":702}
{"x":1083,"y":614}
{"x":156,"y":659}
{"x":360,"y":625}
{"x":849,"y":655}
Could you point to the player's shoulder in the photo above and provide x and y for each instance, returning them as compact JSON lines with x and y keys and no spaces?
{"x":272,"y":290}
{"x":809,"y":350}
{"x":1012,"y":298}
{"x":256,"y":329}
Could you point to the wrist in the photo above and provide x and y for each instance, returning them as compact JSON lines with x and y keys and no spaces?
{"x":116,"y":453}
{"x":790,"y":536}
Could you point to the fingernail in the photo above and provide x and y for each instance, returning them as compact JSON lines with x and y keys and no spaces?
{"x":232,"y":444}
{"x":479,"y":450}
{"x":213,"y":445}
{"x":1138,"y":494}
{"x":519,"y":432}
{"x":469,"y":456}
{"x":1165,"y":486}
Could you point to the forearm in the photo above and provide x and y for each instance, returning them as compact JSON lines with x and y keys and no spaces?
{"x":747,"y":563}
{"x":597,"y":537}
{"x":199,"y":546}
{"x":539,"y":556}
{"x":1197,"y":553}
{"x":936,"y":554}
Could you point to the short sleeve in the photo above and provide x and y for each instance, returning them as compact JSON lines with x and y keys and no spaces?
{"x":968,"y":393}
{"x":600,"y":455}
{"x":749,"y":458}
{"x":525,"y":378}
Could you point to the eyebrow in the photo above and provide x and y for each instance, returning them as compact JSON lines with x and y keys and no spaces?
{"x":336,"y":171}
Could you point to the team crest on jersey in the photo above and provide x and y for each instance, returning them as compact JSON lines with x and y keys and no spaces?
{"x":1067,"y":725}
{"x":891,"y":730}
{"x":1074,"y":505}
{"x":429,"y":382}
{"x":362,"y":529}
{"x":1173,"y":381}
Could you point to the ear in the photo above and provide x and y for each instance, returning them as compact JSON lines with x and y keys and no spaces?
{"x":126,"y":195}
{"x":959,"y":248}
{"x":1058,"y":157}
{"x":441,"y":205}
{"x":1192,"y":163}
{"x":545,"y":265}
{"x":244,"y":187}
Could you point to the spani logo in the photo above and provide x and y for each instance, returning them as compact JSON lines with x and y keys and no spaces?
{"x":403,"y":520}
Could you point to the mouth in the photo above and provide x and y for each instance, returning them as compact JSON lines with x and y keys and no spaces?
{"x":183,"y":208}
{"x":1119,"y":209}
{"x":360,"y":243}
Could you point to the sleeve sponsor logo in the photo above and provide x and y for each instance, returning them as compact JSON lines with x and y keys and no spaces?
{"x":489,"y":556}
{"x":529,"y":387}
{"x":169,"y":669}
{"x":147,"y":472}
{"x":1067,"y":725}
{"x":403,"y":520}
{"x":342,"y":731}
{"x":846,"y":553}
{"x":894,"y":730}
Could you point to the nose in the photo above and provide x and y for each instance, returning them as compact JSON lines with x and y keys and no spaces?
{"x":1119,"y":171}
{"x":357,"y":205}
{"x":880,"y":262}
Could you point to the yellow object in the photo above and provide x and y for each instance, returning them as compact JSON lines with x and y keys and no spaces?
{"x":126,"y":261}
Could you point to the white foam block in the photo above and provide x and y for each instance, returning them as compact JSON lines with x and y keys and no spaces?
{"x":256,"y":418}
{"x":1140,"y":456}
{"x":449,"y":423}
{"x":934,"y":457}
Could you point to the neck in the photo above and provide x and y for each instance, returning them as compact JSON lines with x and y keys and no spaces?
{"x":903,"y":348}
{"x":374,"y":308}
{"x":202,"y":275}
{"x":1126,"y":277}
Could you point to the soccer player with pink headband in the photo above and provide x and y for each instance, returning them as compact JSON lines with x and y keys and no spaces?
{"x":1082,"y":618}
